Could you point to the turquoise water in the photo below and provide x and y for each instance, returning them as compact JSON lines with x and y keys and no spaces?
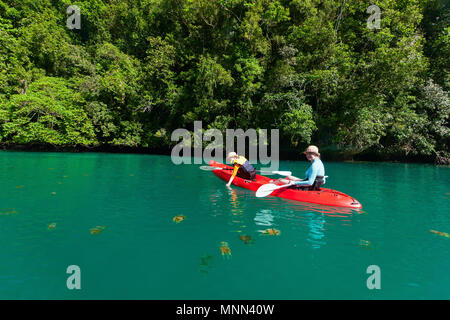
{"x":320,"y":253}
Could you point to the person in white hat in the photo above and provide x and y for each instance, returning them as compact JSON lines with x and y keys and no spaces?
{"x":242,"y":167}
{"x":315,"y":175}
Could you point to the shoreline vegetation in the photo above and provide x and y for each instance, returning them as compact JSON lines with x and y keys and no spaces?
{"x":131,"y":72}
{"x":286,"y":154}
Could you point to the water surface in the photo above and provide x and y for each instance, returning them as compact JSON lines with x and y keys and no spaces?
{"x":320,"y":253}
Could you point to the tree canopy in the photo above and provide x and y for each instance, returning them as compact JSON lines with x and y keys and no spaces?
{"x":138,"y":69}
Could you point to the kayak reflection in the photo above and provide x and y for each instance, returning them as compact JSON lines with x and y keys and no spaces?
{"x":326,"y":210}
{"x":317,"y":216}
{"x":234,"y":199}
{"x":283,"y":214}
{"x":314,"y":217}
{"x":316,"y":233}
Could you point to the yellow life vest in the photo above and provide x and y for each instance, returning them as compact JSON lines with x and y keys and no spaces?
{"x":237,"y":163}
{"x":240,"y":161}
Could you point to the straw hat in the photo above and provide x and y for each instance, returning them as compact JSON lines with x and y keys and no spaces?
{"x":312,"y":149}
{"x":231,"y":155}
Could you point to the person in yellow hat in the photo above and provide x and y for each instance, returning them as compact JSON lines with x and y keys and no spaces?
{"x":242,"y":167}
{"x":315,"y":175}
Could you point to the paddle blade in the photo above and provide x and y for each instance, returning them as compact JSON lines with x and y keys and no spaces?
{"x":283,"y":173}
{"x":267,"y":173}
{"x":266,"y":189}
{"x":209,"y":168}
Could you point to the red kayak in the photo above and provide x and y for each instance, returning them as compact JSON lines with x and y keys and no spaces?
{"x":324,"y":196}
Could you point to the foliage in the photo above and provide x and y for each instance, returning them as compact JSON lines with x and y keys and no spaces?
{"x":49,"y":112}
{"x":136,"y":70}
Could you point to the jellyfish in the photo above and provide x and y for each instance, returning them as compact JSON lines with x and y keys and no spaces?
{"x":271,"y":232}
{"x":179,"y":218}
{"x":246,"y":239}
{"x":206,"y":260}
{"x":225,"y":250}
{"x":364,"y":243}
{"x":52,"y":225}
{"x":8,"y":211}
{"x":443,"y":234}
{"x":97,"y":229}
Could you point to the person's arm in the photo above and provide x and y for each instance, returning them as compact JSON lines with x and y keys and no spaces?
{"x":310,"y":180}
{"x":292,"y":178}
{"x":235,"y":170}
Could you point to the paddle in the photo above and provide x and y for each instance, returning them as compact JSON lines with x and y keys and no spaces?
{"x":281,"y":173}
{"x":268,"y":188}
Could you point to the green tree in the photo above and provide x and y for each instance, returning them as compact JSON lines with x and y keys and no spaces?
{"x":50,"y":112}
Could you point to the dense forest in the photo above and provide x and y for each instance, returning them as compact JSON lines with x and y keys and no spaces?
{"x":317,"y":70}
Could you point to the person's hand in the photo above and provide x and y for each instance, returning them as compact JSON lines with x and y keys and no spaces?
{"x":228,"y":185}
